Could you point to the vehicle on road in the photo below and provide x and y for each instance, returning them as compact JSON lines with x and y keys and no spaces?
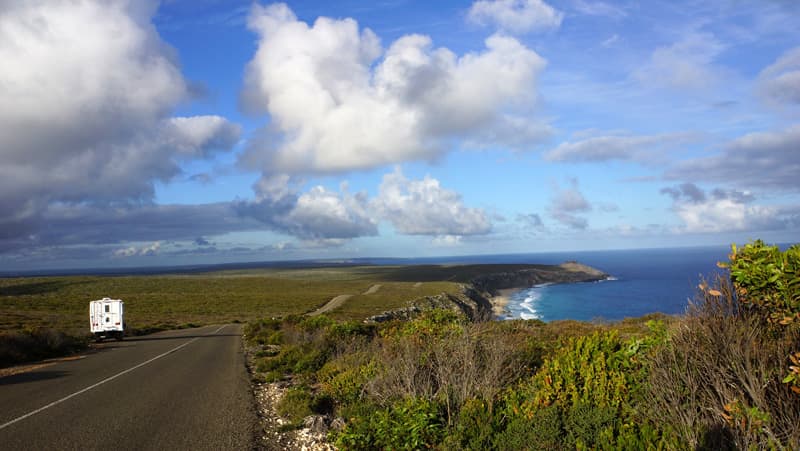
{"x":107,"y":318}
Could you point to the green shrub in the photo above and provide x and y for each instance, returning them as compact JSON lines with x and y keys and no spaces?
{"x":263,"y":331}
{"x":544,"y":432}
{"x":409,"y":425}
{"x":344,"y":381}
{"x":587,"y":391}
{"x":475,"y":427}
{"x":767,"y":281}
{"x":295,"y":405}
{"x":350,"y":329}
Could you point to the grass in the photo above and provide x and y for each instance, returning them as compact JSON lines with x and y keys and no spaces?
{"x":169,"y":301}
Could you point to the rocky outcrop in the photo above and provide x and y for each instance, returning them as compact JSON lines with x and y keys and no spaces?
{"x":474,"y":298}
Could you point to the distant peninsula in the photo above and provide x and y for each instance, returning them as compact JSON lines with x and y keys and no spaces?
{"x":481,"y":284}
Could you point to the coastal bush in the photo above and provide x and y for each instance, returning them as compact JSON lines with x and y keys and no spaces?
{"x":295,"y":405}
{"x":475,"y":427}
{"x":768,"y":281}
{"x":345,"y":378}
{"x":717,"y":381}
{"x":589,"y":393}
{"x":36,"y":344}
{"x":411,"y":424}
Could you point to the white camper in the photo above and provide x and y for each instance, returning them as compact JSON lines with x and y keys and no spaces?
{"x":107,"y":318}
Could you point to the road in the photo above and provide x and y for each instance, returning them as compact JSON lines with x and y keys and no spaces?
{"x":177,"y":390}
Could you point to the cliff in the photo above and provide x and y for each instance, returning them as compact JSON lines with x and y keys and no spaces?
{"x":474,"y":298}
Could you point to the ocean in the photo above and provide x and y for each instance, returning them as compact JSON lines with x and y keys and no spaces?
{"x":642,"y":281}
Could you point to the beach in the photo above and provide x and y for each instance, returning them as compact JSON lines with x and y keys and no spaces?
{"x":501,"y":300}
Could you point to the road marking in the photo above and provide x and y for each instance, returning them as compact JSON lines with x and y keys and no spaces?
{"x":220,"y":328}
{"x":108,"y":379}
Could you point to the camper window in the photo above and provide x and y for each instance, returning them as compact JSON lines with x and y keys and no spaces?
{"x":107,"y":308}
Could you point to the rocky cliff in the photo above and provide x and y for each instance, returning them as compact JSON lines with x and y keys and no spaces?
{"x":474,"y":298}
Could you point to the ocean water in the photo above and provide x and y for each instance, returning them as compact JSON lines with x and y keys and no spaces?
{"x":642,"y":281}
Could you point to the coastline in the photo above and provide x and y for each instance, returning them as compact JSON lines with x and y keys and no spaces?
{"x":501,"y":299}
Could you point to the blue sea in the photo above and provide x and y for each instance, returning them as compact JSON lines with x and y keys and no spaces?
{"x":642,"y":281}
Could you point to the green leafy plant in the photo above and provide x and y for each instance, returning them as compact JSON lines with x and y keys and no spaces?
{"x":767,"y":281}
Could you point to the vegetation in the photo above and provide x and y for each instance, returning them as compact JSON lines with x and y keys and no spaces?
{"x":726,"y":375}
{"x":36,"y":307}
{"x":723,"y":376}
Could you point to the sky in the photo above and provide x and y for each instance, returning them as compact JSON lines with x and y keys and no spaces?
{"x":144,"y":133}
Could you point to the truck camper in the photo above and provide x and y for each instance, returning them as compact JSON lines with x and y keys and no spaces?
{"x":107,"y":318}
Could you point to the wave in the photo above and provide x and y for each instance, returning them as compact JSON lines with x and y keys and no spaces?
{"x":525,"y":308}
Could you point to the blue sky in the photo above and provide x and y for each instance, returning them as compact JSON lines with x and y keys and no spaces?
{"x":204,"y":131}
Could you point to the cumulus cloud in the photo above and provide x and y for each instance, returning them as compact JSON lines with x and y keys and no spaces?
{"x":322,"y":214}
{"x":724,"y":211}
{"x":424,"y":207}
{"x":780,"y":81}
{"x":85,"y":109}
{"x":199,"y":136}
{"x":614,"y":147}
{"x":337,"y":101}
{"x":757,"y":160}
{"x":515,"y":16}
{"x":566,"y":205}
{"x":413,"y":207}
{"x":686,"y":64}
{"x":318,"y":214}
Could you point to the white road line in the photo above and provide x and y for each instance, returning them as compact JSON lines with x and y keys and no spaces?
{"x":108,"y":379}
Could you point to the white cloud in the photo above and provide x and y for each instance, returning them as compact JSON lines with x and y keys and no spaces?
{"x":686,"y":64}
{"x":780,"y":81}
{"x":338,"y":102}
{"x":423,"y":207}
{"x":614,"y":147}
{"x":200,"y":136}
{"x":134,"y":251}
{"x":566,"y":205}
{"x":322,"y":214}
{"x":85,"y":108}
{"x":610,"y":41}
{"x":594,"y":8}
{"x":515,"y":16}
{"x":756,"y":160}
{"x":413,"y":207}
{"x":722,"y":211}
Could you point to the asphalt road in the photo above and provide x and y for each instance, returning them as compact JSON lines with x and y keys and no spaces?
{"x":176,"y":390}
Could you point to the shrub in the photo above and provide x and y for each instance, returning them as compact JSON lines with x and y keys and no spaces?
{"x":716,"y":381}
{"x":295,"y":405}
{"x":587,"y":392}
{"x":37,"y":344}
{"x":409,"y":425}
{"x":767,"y":281}
{"x":345,"y":381}
{"x":545,"y":432}
{"x":475,"y":427}
{"x":263,"y":331}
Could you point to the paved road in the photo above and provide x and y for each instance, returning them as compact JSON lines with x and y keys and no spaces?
{"x":173,"y":390}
